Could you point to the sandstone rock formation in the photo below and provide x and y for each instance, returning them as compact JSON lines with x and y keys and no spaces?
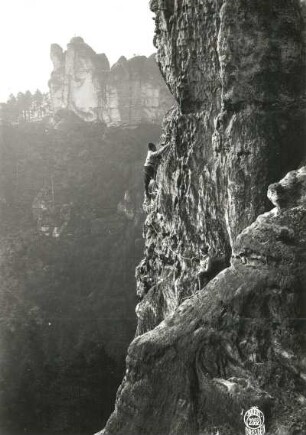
{"x":240,"y":126}
{"x":237,"y":71}
{"x":240,"y":342}
{"x":130,"y":92}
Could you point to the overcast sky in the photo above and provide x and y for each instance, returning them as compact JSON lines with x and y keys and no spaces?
{"x":28,"y":27}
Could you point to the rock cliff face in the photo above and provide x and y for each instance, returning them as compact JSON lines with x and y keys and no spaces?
{"x":130,"y":92}
{"x":210,"y":345}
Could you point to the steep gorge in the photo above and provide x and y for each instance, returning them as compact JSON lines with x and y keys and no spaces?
{"x":70,"y":239}
{"x":211,"y":345}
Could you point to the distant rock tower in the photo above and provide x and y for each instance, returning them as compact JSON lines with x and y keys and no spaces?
{"x":130,"y":92}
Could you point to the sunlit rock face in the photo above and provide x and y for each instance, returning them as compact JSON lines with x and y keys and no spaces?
{"x":221,"y":286}
{"x":130,"y":92}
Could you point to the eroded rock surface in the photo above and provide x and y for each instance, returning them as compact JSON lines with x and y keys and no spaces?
{"x":238,"y":343}
{"x":237,"y":71}
{"x":130,"y":92}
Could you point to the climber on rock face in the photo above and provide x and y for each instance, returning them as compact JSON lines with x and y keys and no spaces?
{"x":151,"y":164}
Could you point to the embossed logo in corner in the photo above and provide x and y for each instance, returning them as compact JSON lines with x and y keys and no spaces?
{"x":254,"y":421}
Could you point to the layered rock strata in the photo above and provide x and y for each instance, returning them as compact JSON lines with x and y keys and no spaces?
{"x":237,"y":71}
{"x":130,"y":92}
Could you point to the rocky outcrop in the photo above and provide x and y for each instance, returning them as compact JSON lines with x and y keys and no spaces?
{"x":240,"y":342}
{"x":237,"y":71}
{"x":130,"y":92}
{"x":240,"y":127}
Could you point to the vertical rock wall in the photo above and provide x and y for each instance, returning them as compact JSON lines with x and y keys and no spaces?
{"x":236,"y":70}
{"x":208,"y":349}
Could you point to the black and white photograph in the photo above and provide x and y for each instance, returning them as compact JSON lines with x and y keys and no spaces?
{"x":153,"y":217}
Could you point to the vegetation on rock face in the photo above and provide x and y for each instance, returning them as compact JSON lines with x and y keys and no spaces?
{"x":70,"y":237}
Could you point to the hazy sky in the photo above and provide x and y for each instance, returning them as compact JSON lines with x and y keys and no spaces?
{"x":28,"y":27}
